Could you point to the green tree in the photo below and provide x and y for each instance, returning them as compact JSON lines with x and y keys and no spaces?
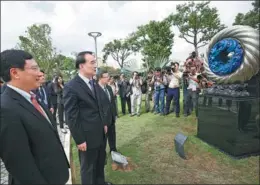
{"x":119,"y":50}
{"x":38,"y":42}
{"x":197,"y":22}
{"x":154,"y":40}
{"x":111,"y":70}
{"x":64,"y":65}
{"x":251,"y":18}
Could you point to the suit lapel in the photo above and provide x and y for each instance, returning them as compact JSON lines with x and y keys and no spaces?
{"x":27,"y":105}
{"x":48,"y":114}
{"x":85,"y":86}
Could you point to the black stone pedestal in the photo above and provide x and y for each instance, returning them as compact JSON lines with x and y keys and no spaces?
{"x":230,"y":124}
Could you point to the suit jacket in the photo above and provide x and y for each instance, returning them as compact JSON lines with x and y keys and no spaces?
{"x":83,"y":112}
{"x":38,"y":95}
{"x":29,"y":145}
{"x":108,"y":107}
{"x":3,"y":87}
{"x":52,"y":93}
{"x":124,"y":88}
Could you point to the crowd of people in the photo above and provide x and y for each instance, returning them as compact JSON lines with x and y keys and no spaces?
{"x":163,"y":87}
{"x":87,"y":105}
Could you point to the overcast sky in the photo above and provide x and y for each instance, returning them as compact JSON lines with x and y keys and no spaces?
{"x":71,"y":21}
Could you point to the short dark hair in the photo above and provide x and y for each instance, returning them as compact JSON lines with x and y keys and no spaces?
{"x":101,"y":73}
{"x":135,"y":72}
{"x":80,"y":59}
{"x":158,"y":69}
{"x":176,"y":63}
{"x":13,"y":59}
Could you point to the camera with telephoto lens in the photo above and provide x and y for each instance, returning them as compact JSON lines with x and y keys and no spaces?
{"x":168,"y":70}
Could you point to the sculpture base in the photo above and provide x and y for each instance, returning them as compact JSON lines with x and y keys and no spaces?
{"x":230,"y":124}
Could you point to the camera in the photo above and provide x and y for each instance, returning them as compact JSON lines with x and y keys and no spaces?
{"x":168,"y":70}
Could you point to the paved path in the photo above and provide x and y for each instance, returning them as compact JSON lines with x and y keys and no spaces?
{"x":65,"y":139}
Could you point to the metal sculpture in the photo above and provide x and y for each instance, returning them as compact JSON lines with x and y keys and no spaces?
{"x":233,"y":55}
{"x":229,"y":110}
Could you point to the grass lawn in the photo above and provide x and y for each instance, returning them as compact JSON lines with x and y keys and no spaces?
{"x":149,"y":141}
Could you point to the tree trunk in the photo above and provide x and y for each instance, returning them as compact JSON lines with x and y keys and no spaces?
{"x":196,"y":42}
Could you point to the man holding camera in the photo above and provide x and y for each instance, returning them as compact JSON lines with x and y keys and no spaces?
{"x":136,"y":96}
{"x":193,"y":90}
{"x":173,"y":91}
{"x":159,"y":81}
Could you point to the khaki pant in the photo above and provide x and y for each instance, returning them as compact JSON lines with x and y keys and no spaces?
{"x":136,"y":103}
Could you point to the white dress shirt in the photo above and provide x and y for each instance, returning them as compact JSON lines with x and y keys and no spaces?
{"x":27,"y":96}
{"x":86,"y":80}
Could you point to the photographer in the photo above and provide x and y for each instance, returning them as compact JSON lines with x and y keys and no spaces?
{"x":148,"y":94}
{"x":173,"y":92}
{"x":159,"y":82}
{"x":194,"y":61}
{"x":136,"y":96}
{"x":193,"y":90}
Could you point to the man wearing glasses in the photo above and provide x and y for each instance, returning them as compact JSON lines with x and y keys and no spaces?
{"x":29,"y":142}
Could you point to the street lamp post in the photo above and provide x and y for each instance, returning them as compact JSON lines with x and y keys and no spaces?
{"x":95,"y":35}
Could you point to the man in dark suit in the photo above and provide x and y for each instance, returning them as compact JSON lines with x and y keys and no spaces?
{"x":42,"y":93}
{"x":85,"y":119}
{"x":2,"y":86}
{"x":29,"y":142}
{"x":109,"y":107}
{"x":124,"y":92}
{"x":53,"y":96}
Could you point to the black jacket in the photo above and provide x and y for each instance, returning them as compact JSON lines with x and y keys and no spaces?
{"x":29,"y":145}
{"x":124,"y":88}
{"x":108,"y":107}
{"x":84,"y":113}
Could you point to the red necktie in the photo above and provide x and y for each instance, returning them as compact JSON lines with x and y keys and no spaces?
{"x":36,"y":104}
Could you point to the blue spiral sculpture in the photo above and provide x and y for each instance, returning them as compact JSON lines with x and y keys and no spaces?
{"x":233,"y":55}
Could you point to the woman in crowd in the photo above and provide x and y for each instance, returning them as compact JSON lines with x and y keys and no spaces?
{"x":114,"y":87}
{"x":58,"y":88}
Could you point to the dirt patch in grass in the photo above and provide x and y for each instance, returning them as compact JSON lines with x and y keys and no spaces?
{"x":190,"y":129}
{"x":128,"y":168}
{"x":204,"y":161}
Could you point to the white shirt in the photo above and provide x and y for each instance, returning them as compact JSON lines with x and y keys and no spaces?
{"x":27,"y":96}
{"x":136,"y":87}
{"x":175,"y":82}
{"x":86,"y":80}
{"x":193,"y":85}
